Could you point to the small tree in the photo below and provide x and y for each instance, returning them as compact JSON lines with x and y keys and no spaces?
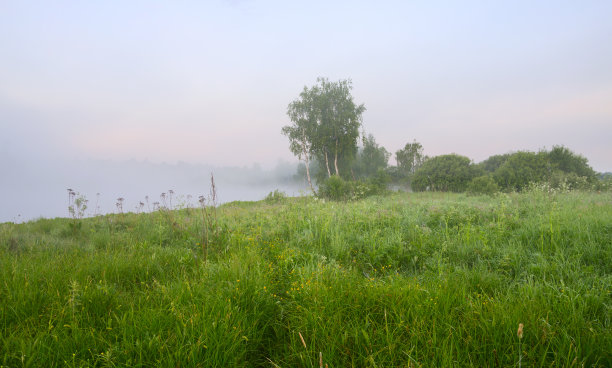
{"x":410,"y":158}
{"x":370,"y":158}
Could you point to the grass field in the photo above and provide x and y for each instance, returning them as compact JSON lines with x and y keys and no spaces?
{"x":405,"y":280}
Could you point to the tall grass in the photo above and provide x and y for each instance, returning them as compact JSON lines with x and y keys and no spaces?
{"x":407,"y":280}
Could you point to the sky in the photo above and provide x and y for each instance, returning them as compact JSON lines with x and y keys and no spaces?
{"x":208,"y":82}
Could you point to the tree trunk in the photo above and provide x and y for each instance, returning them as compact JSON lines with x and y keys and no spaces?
{"x":308,"y":174}
{"x":305,"y":153}
{"x":336,"y":158}
{"x":327,"y":165}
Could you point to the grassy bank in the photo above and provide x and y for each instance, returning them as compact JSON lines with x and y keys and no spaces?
{"x":403,"y":280}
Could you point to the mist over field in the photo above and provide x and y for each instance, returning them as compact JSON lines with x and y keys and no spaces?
{"x":38,"y":188}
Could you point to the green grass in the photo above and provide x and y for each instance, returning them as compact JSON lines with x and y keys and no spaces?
{"x":406,"y":280}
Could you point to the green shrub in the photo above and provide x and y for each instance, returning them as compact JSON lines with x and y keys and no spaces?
{"x":335,"y":188}
{"x":275,"y":196}
{"x":521,"y":169}
{"x":483,"y":185}
{"x":445,"y":173}
{"x":604,"y":183}
{"x":569,"y":181}
{"x":379,"y":181}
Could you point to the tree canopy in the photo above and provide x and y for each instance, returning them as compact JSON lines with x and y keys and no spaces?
{"x":410,"y":158}
{"x":563,"y":159}
{"x":370,"y":158}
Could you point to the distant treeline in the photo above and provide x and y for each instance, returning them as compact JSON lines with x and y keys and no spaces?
{"x":325,"y":134}
{"x":557,"y":168}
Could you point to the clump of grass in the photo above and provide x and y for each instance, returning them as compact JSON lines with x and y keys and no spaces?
{"x":275,"y":196}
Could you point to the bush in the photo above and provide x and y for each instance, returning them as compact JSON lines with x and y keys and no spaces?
{"x":569,"y":181}
{"x":483,"y":185}
{"x":379,"y":181}
{"x":275,"y":196}
{"x":521,"y":169}
{"x":337,"y":189}
{"x":445,"y":173}
{"x":604,"y":183}
{"x":396,"y":175}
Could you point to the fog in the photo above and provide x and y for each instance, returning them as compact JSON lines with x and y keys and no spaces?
{"x":38,"y":188}
{"x":96,"y":95}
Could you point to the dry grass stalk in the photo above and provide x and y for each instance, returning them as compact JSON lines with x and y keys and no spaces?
{"x":301,"y":338}
{"x":519,"y":333}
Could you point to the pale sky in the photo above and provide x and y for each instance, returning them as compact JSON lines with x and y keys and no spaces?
{"x":209,"y":81}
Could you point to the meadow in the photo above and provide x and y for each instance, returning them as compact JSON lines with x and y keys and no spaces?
{"x":401,"y":280}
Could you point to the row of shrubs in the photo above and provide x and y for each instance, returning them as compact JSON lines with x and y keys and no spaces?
{"x":558,"y":181}
{"x":560,"y":168}
{"x":557,"y":170}
{"x":336,"y":188}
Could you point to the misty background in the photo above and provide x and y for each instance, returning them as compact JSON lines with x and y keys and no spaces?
{"x":42,"y":188}
{"x":129,"y":99}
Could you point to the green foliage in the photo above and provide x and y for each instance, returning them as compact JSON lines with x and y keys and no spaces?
{"x":395,"y":174}
{"x":447,"y":173}
{"x":569,"y":181}
{"x":563,"y":159}
{"x":494,"y":162}
{"x":379,"y":181}
{"x":410,"y":158}
{"x":371,"y":158}
{"x":522,"y":168}
{"x":325,"y":125}
{"x":313,"y":166}
{"x":77,"y":204}
{"x":337,"y":189}
{"x":604,"y":183}
{"x":339,"y":122}
{"x":275,"y":196}
{"x":560,"y":168}
{"x":483,"y":184}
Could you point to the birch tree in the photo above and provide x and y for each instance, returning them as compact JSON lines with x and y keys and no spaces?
{"x":302,"y":130}
{"x":338,"y":122}
{"x":325,"y":124}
